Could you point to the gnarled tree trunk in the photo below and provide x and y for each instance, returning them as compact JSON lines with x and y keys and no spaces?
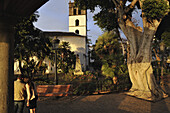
{"x":139,"y":63}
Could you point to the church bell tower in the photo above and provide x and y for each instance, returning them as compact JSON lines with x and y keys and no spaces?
{"x":77,"y":20}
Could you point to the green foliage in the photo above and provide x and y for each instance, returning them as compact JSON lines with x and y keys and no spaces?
{"x":163,"y":27}
{"x":108,"y":71}
{"x":43,"y":81}
{"x":106,"y":84}
{"x":158,"y":55}
{"x":96,"y":64}
{"x":29,"y":43}
{"x":124,"y":82}
{"x":65,"y":58}
{"x":155,"y":9}
{"x":82,"y":84}
{"x":87,"y":76}
{"x":104,"y":23}
{"x":166,"y":38}
{"x":162,"y":35}
{"x":109,"y":51}
{"x":85,"y":88}
{"x":107,"y":44}
{"x":105,"y":19}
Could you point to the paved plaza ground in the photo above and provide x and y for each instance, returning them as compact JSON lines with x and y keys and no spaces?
{"x":107,"y":103}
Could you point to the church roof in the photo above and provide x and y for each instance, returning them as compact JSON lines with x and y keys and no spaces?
{"x":56,"y":33}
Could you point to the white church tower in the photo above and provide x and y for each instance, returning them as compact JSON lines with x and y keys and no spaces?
{"x":78,"y":25}
{"x":77,"y":20}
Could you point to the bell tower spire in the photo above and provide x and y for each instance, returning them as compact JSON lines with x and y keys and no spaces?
{"x":77,"y":20}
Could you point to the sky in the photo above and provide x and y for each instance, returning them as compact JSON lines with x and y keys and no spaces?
{"x":54,"y":16}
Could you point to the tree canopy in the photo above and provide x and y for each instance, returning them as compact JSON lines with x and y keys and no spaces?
{"x":66,"y":58}
{"x":108,"y":48}
{"x":163,"y":31}
{"x":108,"y":16}
{"x":30,"y":42}
{"x":139,"y":37}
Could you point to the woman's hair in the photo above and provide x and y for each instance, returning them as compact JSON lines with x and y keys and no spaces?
{"x":31,"y":84}
{"x":20,"y":76}
{"x":29,"y":81}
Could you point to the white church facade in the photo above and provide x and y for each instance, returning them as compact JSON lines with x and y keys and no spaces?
{"x":77,"y":37}
{"x":77,"y":43}
{"x":77,"y":20}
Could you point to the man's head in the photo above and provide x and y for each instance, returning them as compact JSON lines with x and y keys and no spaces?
{"x":26,"y":79}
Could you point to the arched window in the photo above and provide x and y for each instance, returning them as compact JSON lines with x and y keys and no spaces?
{"x":75,"y":12}
{"x":79,"y":12}
{"x":77,"y":31}
{"x":77,"y":22}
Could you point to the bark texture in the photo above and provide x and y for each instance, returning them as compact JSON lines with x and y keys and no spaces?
{"x":139,"y":62}
{"x":143,"y":82}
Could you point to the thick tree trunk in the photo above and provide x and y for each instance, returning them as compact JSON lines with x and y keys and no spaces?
{"x":143,"y":82}
{"x":140,"y":70}
{"x":139,"y":60}
{"x":139,"y":63}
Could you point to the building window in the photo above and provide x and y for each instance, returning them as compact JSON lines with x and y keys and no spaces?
{"x":77,"y":31}
{"x":77,"y":22}
{"x":79,"y":12}
{"x":75,"y":12}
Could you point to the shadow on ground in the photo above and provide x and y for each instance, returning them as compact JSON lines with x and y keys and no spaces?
{"x":108,"y":103}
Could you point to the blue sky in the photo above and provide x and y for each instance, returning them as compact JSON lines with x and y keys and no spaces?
{"x":54,"y":17}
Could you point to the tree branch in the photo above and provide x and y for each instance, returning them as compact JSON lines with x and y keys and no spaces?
{"x":124,"y":2}
{"x":116,"y":4}
{"x":157,"y":57}
{"x":131,"y":6}
{"x":118,"y":1}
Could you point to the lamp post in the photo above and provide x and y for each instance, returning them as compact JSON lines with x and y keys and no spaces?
{"x":55,"y":46}
{"x":162,"y":48}
{"x":162,"y":83}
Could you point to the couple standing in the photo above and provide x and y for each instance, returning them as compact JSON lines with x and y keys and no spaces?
{"x":24,"y":88}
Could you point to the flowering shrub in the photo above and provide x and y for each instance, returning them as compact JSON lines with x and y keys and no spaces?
{"x":85,"y":88}
{"x":87,"y":76}
{"x":82,"y":84}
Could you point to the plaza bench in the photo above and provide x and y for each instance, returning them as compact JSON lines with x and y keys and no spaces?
{"x":54,"y":90}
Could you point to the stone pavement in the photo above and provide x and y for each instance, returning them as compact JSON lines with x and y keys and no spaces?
{"x":107,"y":103}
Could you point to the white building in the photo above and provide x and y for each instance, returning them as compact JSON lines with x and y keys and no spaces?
{"x":77,"y":42}
{"x":77,"y":20}
{"x":77,"y":37}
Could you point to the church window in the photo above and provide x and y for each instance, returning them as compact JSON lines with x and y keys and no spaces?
{"x":77,"y":31}
{"x":79,"y":12}
{"x":77,"y":22}
{"x":75,"y":11}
